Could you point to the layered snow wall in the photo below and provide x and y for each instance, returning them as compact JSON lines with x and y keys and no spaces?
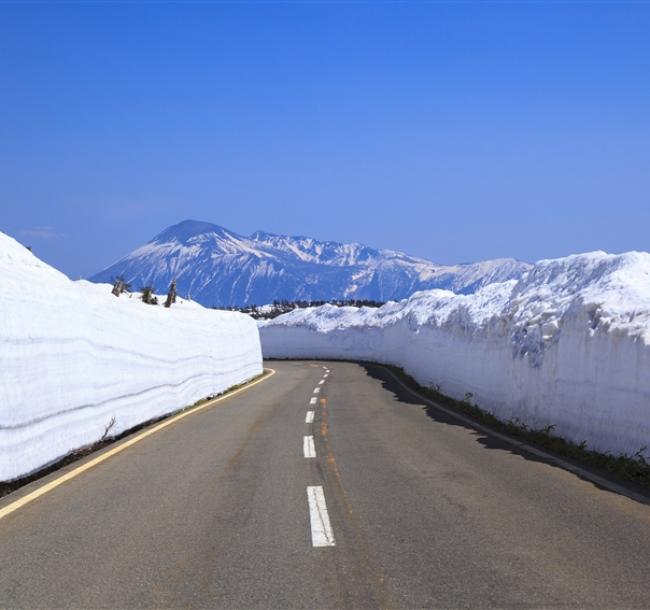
{"x":76,"y":362}
{"x":568,"y":345}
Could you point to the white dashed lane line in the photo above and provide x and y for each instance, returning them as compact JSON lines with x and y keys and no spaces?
{"x":308,"y":449}
{"x":321,"y":530}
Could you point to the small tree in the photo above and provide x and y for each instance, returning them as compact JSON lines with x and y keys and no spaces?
{"x":171,"y":294}
{"x":119,"y":286}
{"x":148,"y":296}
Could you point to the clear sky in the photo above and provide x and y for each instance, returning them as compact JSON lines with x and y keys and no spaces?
{"x":454,"y":131}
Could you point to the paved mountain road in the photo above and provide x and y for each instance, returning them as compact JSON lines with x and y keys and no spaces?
{"x":408,"y":509}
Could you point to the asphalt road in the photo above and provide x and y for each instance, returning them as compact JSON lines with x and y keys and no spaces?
{"x":417,"y":510}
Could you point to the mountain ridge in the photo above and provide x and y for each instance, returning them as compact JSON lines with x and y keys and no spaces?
{"x":219,"y":267}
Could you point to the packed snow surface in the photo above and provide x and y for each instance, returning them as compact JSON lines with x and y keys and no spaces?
{"x":76,"y":362}
{"x":567,"y":345}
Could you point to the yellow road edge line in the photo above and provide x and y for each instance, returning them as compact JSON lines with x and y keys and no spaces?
{"x":41,"y":491}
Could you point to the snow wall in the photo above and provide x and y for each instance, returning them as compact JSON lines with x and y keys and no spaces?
{"x":568,"y":345}
{"x":73,"y":358}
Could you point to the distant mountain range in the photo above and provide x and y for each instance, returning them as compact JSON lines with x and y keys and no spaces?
{"x":218,"y":267}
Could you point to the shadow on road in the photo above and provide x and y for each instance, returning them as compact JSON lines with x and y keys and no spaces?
{"x":492,"y":441}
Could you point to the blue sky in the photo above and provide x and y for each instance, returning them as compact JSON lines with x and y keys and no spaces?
{"x":455,"y":131}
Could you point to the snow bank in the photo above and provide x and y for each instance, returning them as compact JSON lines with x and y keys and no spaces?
{"x":567,"y":345}
{"x":73,"y":357}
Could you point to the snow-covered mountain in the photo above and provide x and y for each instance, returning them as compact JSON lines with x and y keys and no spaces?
{"x":216,"y":266}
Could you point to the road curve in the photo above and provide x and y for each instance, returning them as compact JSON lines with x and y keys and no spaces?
{"x":372,"y":501}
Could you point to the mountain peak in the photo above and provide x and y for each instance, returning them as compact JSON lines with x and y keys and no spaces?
{"x":261,"y":235}
{"x":187,"y":229}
